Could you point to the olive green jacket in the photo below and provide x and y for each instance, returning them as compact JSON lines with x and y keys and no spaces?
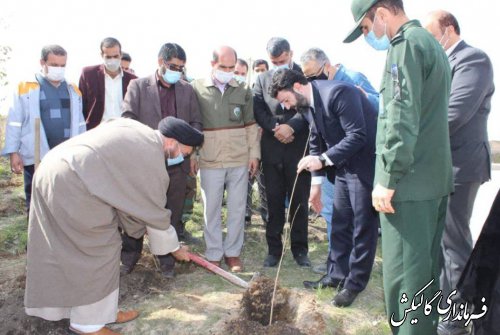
{"x":231,"y":134}
{"x":413,"y":146}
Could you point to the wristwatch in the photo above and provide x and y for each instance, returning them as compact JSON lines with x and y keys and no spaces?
{"x":322,"y":159}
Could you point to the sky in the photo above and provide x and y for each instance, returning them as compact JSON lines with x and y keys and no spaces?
{"x":144,"y":26}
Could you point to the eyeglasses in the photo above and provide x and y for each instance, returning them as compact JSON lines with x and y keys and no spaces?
{"x":317,"y":74}
{"x":174,"y":67}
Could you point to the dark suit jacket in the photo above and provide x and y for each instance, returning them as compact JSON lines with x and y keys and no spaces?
{"x":142,"y":103}
{"x":481,"y":276}
{"x":344,"y":127}
{"x":268,"y":112}
{"x":470,"y":103}
{"x":92,"y":87}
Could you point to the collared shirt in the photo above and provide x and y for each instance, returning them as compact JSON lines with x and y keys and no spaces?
{"x":167,"y":98}
{"x":316,"y":180}
{"x":220,"y":86}
{"x":113,"y":95}
{"x":450,"y":49}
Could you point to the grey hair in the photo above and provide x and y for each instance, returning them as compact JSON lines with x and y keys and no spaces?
{"x":52,"y":49}
{"x":314,"y":54}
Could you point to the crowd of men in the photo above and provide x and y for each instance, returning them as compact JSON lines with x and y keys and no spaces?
{"x":409,"y":157}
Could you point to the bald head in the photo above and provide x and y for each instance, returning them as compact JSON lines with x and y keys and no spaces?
{"x":225,"y":53}
{"x":444,"y":27}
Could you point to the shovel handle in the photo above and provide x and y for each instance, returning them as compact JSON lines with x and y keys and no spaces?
{"x":217,"y":270}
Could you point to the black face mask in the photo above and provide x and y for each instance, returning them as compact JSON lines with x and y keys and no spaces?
{"x":321,"y":76}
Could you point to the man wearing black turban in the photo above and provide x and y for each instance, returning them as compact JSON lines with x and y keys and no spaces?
{"x":84,"y":189}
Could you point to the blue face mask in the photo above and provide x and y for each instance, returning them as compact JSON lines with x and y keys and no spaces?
{"x":376,"y":43}
{"x":171,"y":77}
{"x":176,"y":160}
{"x":282,"y":66}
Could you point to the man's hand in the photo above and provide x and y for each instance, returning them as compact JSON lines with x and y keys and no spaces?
{"x":309,"y":163}
{"x":283,"y":133}
{"x":182,"y":254}
{"x":193,"y":166}
{"x":315,"y":198}
{"x":362,"y":90}
{"x":253,"y":166}
{"x":381,"y":199}
{"x":16,"y":163}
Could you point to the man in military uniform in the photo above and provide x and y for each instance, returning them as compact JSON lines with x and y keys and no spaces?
{"x":413,"y":175}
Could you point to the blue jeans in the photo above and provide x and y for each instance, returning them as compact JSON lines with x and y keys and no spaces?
{"x":327,"y":201}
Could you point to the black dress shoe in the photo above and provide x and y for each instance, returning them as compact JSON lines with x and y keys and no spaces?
{"x":325,"y":281}
{"x":451,"y":328}
{"x":271,"y":261}
{"x":303,"y":260}
{"x":344,"y":298}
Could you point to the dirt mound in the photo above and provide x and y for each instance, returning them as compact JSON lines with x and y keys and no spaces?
{"x":292,"y":315}
{"x":256,"y":302}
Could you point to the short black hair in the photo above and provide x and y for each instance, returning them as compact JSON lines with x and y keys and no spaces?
{"x":395,"y":6}
{"x":242,"y":62}
{"x":283,"y":80}
{"x":276,"y":46}
{"x":448,"y":19}
{"x":126,"y":57}
{"x":110,"y":42}
{"x":52,"y":49}
{"x":260,"y":62}
{"x":172,"y":50}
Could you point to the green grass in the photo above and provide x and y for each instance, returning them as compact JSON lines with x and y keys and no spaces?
{"x":13,"y":225}
{"x":14,"y":236}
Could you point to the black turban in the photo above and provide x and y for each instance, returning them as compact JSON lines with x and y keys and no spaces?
{"x":181,"y":131}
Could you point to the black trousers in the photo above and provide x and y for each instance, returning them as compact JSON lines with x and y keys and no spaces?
{"x":353,"y":239}
{"x":279,"y":180}
{"x":29,"y":171}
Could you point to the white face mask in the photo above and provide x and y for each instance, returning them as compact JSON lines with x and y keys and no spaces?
{"x":55,"y":73}
{"x":112,"y":64}
{"x":445,"y":35}
{"x":240,"y":79}
{"x":223,"y":77}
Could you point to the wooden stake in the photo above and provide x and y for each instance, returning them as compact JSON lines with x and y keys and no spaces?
{"x":37,"y":142}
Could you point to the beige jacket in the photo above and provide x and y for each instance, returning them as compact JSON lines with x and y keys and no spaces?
{"x":231,"y":134}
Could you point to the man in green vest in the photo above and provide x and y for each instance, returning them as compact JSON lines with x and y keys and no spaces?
{"x":413,"y":174}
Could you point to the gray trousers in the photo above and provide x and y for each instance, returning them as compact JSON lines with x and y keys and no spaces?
{"x":457,"y":239}
{"x":212,"y":183}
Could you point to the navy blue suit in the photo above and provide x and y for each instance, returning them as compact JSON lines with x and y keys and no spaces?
{"x":344,"y":124}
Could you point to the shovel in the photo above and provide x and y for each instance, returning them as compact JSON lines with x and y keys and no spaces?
{"x":217,"y":270}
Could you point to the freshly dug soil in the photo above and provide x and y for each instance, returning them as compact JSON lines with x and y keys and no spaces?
{"x":256,"y":311}
{"x":144,"y":282}
{"x":256,"y":302}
